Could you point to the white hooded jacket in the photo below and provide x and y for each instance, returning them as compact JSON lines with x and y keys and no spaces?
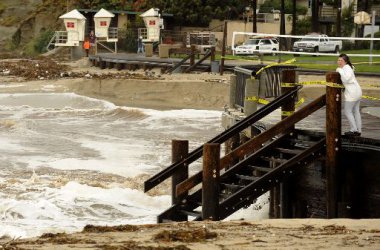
{"x":353,"y":91}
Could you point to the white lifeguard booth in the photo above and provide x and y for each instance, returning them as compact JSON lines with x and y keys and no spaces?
{"x":153,"y":23}
{"x":75,"y":24}
{"x":103,"y":31}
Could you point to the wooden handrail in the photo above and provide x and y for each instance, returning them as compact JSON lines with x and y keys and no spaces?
{"x":235,"y":129}
{"x":179,"y":63}
{"x":256,"y":142}
{"x":207,"y":55}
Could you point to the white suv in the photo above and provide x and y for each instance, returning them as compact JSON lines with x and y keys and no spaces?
{"x":256,"y":46}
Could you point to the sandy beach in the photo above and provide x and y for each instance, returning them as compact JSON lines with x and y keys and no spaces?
{"x":239,"y":235}
{"x":193,"y":91}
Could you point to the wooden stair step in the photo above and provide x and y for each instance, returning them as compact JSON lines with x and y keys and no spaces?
{"x":233,"y":187}
{"x":261,"y":169}
{"x":289,"y":151}
{"x":301,"y":143}
{"x":273,"y":159}
{"x":192,"y":203}
{"x":191,"y":213}
{"x":247,"y":177}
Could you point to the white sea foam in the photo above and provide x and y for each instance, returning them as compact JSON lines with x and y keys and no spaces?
{"x":74,"y":205}
{"x":85,"y":153}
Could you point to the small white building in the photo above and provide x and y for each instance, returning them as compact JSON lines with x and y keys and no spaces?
{"x":153,"y":23}
{"x":75,"y":24}
{"x":103,"y":31}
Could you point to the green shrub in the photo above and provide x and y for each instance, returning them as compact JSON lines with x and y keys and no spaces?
{"x":42,"y":41}
{"x":270,"y":5}
{"x":38,"y":44}
{"x":301,"y":10}
{"x":348,"y":45}
{"x":303,"y":26}
{"x":128,"y":40}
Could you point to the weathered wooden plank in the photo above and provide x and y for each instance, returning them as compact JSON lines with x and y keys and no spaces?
{"x":210,"y":185}
{"x":333,"y":142}
{"x":180,"y":150}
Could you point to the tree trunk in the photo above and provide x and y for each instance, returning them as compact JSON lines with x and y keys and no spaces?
{"x":254,"y":18}
{"x":315,"y":16}
{"x":294,"y":17}
{"x":339,"y":19}
{"x":282,"y":26}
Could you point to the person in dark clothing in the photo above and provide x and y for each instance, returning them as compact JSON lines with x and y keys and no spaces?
{"x":92,"y":39}
{"x":140,"y":45}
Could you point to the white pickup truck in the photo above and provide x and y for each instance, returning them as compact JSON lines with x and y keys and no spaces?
{"x":317,"y":43}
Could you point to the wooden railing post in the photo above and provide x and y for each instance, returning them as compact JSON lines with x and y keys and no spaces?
{"x":180,"y":150}
{"x":283,"y":194}
{"x":212,"y":56}
{"x":192,"y":57}
{"x":288,"y":76}
{"x":333,"y":142}
{"x":210,"y":183}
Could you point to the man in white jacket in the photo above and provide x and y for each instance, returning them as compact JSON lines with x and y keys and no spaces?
{"x":352,"y":95}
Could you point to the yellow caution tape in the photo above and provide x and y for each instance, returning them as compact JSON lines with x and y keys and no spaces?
{"x":334,"y":85}
{"x":370,"y":85}
{"x":330,"y":84}
{"x":370,"y":98}
{"x":289,"y":85}
{"x":302,"y":100}
{"x":257,"y":99}
{"x":287,"y":113}
{"x":275,"y":64}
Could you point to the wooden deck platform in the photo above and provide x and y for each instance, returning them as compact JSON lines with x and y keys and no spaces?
{"x":133,"y":61}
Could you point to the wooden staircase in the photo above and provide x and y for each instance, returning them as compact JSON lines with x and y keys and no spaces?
{"x":264,"y":163}
{"x":253,"y":176}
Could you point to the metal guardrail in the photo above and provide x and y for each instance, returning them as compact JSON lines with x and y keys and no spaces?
{"x":269,"y":81}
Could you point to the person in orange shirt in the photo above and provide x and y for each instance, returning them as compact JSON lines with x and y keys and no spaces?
{"x":86,"y":46}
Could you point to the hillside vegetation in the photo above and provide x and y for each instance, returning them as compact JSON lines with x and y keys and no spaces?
{"x":27,"y":25}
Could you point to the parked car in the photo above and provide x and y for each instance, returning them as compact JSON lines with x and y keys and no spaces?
{"x":257,"y":46}
{"x":317,"y":43}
